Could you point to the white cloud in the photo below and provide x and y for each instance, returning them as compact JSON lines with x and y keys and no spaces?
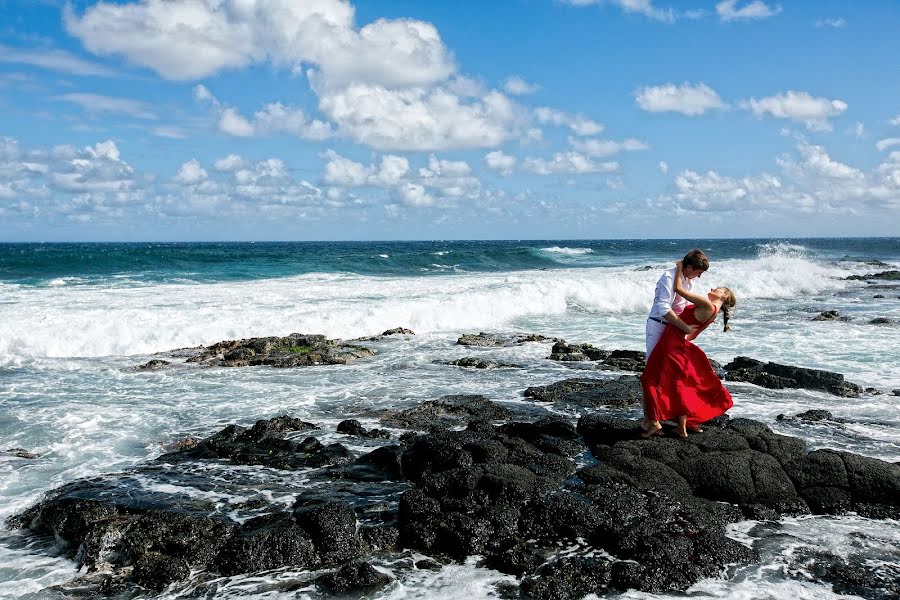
{"x":688,"y":99}
{"x":597,"y":148}
{"x":886,"y":143}
{"x":832,"y":23}
{"x":798,"y":106}
{"x":420,"y":119}
{"x":342,"y":171}
{"x":895,"y":120}
{"x":232,"y":162}
{"x":571,"y":163}
{"x":643,"y":7}
{"x":812,"y":182}
{"x":500,"y":162}
{"x":234,"y":123}
{"x":98,"y":103}
{"x":190,"y":173}
{"x":663,"y":167}
{"x":517,"y":86}
{"x":728,"y":10}
{"x":858,"y":130}
{"x":579,"y":124}
{"x":55,"y":60}
{"x":169,"y":131}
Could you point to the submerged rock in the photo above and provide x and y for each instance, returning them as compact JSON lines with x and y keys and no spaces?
{"x":354,"y":427}
{"x":19,"y":453}
{"x":778,"y":376}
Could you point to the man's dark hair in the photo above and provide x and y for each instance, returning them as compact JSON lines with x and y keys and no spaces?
{"x":695,"y":258}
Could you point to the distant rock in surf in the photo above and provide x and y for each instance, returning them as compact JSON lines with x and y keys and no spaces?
{"x":882,"y":276}
{"x":495,"y":340}
{"x":295,"y":350}
{"x":830,"y":315}
{"x":619,"y":360}
{"x":472,"y":362}
{"x":778,"y":376}
{"x":881,"y":321}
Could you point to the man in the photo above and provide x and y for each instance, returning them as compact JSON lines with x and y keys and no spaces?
{"x":667,"y":305}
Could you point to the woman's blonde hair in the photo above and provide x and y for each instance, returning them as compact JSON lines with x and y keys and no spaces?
{"x":727,"y":306}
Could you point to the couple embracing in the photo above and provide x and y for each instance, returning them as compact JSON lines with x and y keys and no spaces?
{"x":678,"y":382}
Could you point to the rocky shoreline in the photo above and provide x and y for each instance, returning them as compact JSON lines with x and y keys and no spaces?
{"x":463,"y":476}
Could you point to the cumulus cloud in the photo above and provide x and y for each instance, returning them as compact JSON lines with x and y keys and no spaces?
{"x":798,"y":106}
{"x":811,"y":182}
{"x":418,"y":119}
{"x":517,"y":86}
{"x":688,"y":99}
{"x":663,"y":167}
{"x":439,"y":179}
{"x":190,"y":173}
{"x":728,"y":10}
{"x":598,"y":148}
{"x":579,"y":124}
{"x":500,"y":162}
{"x":895,"y":120}
{"x":98,"y":103}
{"x":54,"y":60}
{"x":567,"y":163}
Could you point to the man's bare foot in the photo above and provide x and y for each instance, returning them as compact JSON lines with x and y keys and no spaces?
{"x":681,"y":432}
{"x":652,"y":429}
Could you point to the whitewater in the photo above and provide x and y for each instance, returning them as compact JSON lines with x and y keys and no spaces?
{"x":76,"y":322}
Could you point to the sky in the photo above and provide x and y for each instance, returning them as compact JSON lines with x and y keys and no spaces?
{"x":170,"y":120}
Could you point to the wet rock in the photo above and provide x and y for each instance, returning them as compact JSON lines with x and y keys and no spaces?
{"x":295,"y":350}
{"x":830,"y":315}
{"x":267,"y":543}
{"x":587,"y":392}
{"x":472,"y":362}
{"x":157,"y":571}
{"x":620,"y":360}
{"x":816,"y":415}
{"x":881,"y":321}
{"x":878,"y":296}
{"x":154,"y":365}
{"x":895,"y":392}
{"x":495,"y":340}
{"x":355,"y":579}
{"x":447,"y":411}
{"x":891,"y":275}
{"x":354,"y":427}
{"x":399,"y":331}
{"x":19,"y":453}
{"x":332,"y":527}
{"x":261,"y":445}
{"x":778,"y":376}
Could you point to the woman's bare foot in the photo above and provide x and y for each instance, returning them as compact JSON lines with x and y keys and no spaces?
{"x":681,"y":430}
{"x":695,"y":429}
{"x":653,"y":428}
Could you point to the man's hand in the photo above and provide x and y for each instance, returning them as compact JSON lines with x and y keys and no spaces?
{"x":690,"y":330}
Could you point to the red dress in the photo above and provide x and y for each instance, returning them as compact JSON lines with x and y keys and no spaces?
{"x":678,"y":379}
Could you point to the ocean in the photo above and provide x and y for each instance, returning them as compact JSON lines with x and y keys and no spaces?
{"x":75,"y":319}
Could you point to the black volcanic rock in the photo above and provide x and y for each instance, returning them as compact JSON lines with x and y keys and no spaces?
{"x":891,"y":275}
{"x":472,"y":362}
{"x":647,"y":514}
{"x":619,"y":360}
{"x":447,"y":411}
{"x":587,"y":392}
{"x":778,"y":376}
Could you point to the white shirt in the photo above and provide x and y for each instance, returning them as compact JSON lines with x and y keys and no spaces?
{"x":666,"y":298}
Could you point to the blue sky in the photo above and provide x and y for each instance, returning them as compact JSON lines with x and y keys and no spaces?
{"x":326,"y":119}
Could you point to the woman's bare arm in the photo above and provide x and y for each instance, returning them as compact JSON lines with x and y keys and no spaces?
{"x":704,"y":306}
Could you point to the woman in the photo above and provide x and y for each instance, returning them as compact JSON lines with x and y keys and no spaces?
{"x":678,"y":381}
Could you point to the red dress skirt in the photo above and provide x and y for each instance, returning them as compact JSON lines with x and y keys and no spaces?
{"x":678,"y":379}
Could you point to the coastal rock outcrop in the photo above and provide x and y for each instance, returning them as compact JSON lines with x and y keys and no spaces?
{"x":294,"y":350}
{"x":778,"y":376}
{"x":619,"y":360}
{"x":584,"y":392}
{"x":645,"y":514}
